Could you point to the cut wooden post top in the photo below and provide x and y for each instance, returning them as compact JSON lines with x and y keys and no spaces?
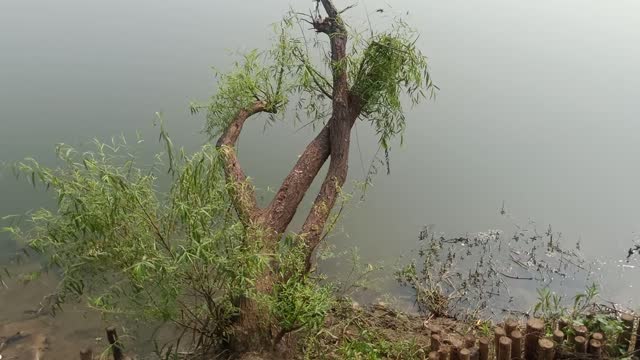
{"x":510,"y":325}
{"x":580,"y":344}
{"x":469,"y":341}
{"x":580,"y":330}
{"x":558,"y":336}
{"x":464,"y":354}
{"x":535,"y":324}
{"x":86,"y":354}
{"x":545,"y":349}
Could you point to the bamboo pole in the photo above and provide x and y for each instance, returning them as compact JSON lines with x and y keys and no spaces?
{"x":535,"y":327}
{"x":580,"y":344}
{"x":116,"y":347}
{"x":545,"y":349}
{"x":504,"y":346}
{"x":516,"y":344}
{"x":483,"y":348}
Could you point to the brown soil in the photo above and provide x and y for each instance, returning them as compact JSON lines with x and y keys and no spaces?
{"x":349,"y":322}
{"x":28,"y":331}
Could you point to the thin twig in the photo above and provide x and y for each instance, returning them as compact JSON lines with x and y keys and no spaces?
{"x":514,"y":277}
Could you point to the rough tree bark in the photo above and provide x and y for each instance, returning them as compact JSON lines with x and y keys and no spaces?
{"x":254,"y":332}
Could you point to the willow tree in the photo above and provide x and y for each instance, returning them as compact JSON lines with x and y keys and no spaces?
{"x":364,"y":82}
{"x":239,"y":275}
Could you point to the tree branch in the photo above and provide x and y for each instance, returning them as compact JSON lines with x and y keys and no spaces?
{"x":323,"y":26}
{"x":283,"y":207}
{"x":315,"y":75}
{"x":332,"y":24}
{"x":329,"y":8}
{"x":346,"y":109}
{"x":347,"y":8}
{"x":242,"y":193}
{"x":340,"y":134}
{"x":230,"y":135}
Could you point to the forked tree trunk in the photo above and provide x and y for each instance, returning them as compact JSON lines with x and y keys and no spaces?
{"x":254,"y":331}
{"x":253,"y":334}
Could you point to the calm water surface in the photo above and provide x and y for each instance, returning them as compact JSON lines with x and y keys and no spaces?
{"x":538,"y":108}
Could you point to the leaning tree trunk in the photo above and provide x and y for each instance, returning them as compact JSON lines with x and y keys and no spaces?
{"x":254,"y":332}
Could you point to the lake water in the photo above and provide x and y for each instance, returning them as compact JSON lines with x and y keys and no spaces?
{"x":538,"y":109}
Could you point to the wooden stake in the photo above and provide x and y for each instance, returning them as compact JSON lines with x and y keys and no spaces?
{"x":86,"y":354}
{"x":510,"y":325}
{"x":456,"y":346}
{"x":595,"y":348}
{"x":545,"y":349}
{"x":435,"y":342}
{"x":498,"y":332}
{"x":516,"y":344}
{"x":558,"y":337}
{"x":638,"y":338}
{"x":434,"y":329}
{"x":475,"y":353}
{"x":580,"y":344}
{"x":116,"y":347}
{"x":483,"y":348}
{"x":469,"y":341}
{"x":534,"y":330}
{"x":444,"y":352}
{"x":627,"y":329}
{"x":580,"y":330}
{"x":562,"y":324}
{"x":504,"y":346}
{"x":598,"y":336}
{"x":464,"y":354}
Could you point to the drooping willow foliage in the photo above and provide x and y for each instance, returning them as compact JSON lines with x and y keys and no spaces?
{"x":383,"y":69}
{"x":390,"y":66}
{"x":179,"y":256}
{"x":182,"y":255}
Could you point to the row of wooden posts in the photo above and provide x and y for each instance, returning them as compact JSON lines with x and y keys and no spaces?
{"x":510,"y":342}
